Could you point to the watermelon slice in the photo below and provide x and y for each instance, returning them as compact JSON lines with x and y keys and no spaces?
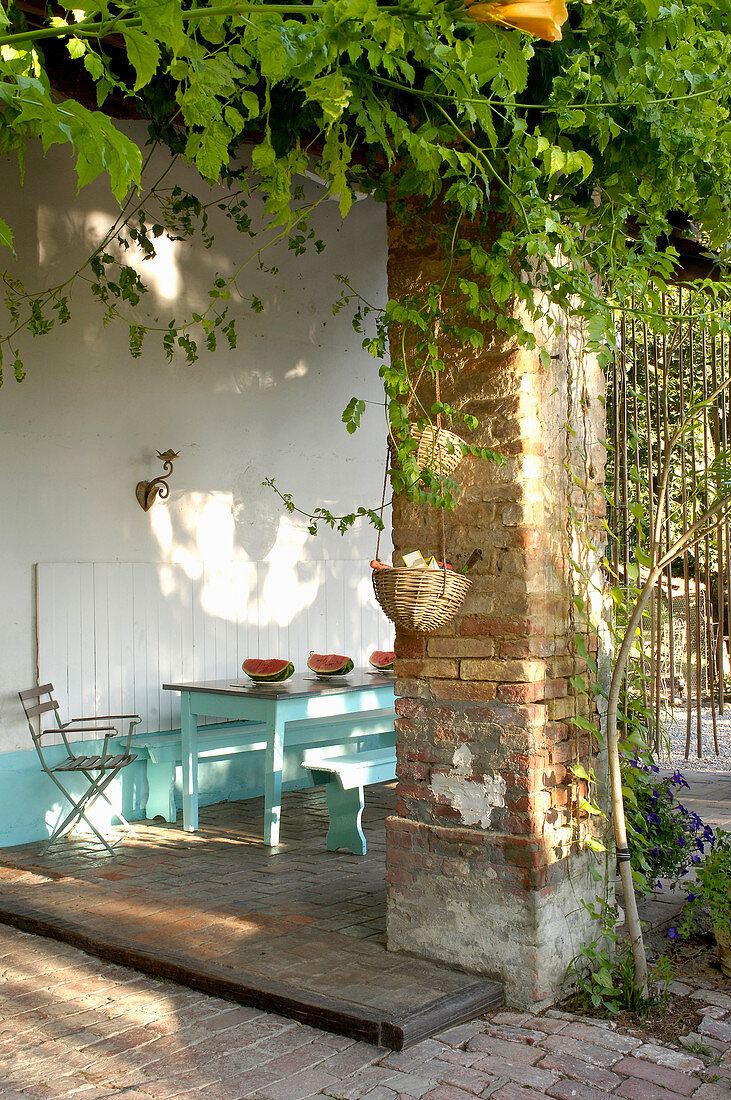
{"x":383,"y":660}
{"x":329,"y":664}
{"x":271,"y":671}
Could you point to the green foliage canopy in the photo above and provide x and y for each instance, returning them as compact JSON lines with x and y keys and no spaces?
{"x":547,"y":151}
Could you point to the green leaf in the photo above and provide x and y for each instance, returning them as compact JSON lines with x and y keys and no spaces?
{"x":213,"y":152}
{"x":554,"y":160}
{"x":584,"y":724}
{"x":332,"y":93}
{"x":163,"y":21}
{"x":144,"y":55}
{"x":76,"y":48}
{"x":484,"y":63}
{"x":6,"y":235}
{"x":644,"y":559}
{"x":603,"y":977}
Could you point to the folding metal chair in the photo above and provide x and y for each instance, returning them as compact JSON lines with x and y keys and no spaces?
{"x":99,"y":770}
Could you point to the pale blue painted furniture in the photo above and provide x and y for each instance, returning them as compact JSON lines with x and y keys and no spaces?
{"x":345,"y":777}
{"x":163,"y":753}
{"x":304,"y":710}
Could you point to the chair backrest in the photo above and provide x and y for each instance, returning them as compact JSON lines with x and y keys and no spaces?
{"x":34,"y":704}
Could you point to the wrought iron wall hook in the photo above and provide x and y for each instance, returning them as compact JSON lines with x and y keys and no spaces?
{"x":148,"y":491}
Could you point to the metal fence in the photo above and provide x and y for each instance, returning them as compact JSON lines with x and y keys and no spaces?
{"x":664,"y":365}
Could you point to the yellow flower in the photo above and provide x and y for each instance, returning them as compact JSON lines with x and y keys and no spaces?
{"x":542,"y":18}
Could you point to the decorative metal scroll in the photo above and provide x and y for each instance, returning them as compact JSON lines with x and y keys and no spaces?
{"x":147,"y":492}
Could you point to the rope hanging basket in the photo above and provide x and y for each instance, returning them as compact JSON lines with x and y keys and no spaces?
{"x":439,"y":449}
{"x":420,"y":600}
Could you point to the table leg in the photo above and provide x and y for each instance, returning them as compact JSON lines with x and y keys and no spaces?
{"x":189,"y":738}
{"x":273,"y":777}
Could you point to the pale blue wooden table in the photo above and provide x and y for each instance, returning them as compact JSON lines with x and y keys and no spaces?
{"x":352,"y":707}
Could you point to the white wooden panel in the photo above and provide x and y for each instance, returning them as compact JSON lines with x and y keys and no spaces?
{"x":109,"y":635}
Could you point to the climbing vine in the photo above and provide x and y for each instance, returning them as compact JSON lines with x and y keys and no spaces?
{"x":549,"y":161}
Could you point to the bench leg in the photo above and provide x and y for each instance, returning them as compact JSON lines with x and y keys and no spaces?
{"x":345,"y":809}
{"x":161,"y":797}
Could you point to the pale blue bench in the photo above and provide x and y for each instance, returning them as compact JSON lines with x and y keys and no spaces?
{"x":163,"y":752}
{"x":345,"y":778}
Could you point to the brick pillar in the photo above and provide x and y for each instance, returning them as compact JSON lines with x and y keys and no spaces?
{"x":484,"y":866}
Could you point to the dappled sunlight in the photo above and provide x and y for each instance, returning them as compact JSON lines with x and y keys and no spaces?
{"x":162,"y":527}
{"x":201,"y":606}
{"x":56,"y":232}
{"x":251,"y":378}
{"x":161,"y":271}
{"x":206,"y":549}
{"x":285,"y":595}
{"x":54,"y":816}
{"x":299,"y":370}
{"x":215,"y":530}
{"x":99,"y":812}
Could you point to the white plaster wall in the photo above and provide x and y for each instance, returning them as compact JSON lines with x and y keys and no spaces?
{"x":82,"y":429}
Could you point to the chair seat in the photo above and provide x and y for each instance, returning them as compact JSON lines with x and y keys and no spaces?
{"x":95,"y":763}
{"x":77,"y":764}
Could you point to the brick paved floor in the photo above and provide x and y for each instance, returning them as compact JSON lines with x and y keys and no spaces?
{"x":72,"y":1026}
{"x":221,"y":903}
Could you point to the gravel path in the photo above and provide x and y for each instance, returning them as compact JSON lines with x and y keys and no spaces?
{"x":675,"y":730}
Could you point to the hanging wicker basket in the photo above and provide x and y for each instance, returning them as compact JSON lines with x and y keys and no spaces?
{"x":420,"y":600}
{"x":439,"y":449}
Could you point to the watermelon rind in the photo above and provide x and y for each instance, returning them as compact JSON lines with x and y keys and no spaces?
{"x":272,"y":671}
{"x":330,"y":664}
{"x":382,"y":659}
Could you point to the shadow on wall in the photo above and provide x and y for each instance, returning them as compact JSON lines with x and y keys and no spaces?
{"x":110,"y":634}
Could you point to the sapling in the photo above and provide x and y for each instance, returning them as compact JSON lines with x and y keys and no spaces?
{"x":657,"y":562}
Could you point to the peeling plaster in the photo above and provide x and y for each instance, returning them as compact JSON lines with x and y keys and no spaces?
{"x":474,"y":800}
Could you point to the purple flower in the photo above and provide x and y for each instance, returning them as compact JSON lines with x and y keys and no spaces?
{"x":695,"y":858}
{"x":692,"y":897}
{"x":672,"y":933}
{"x":681,"y":841}
{"x":654,"y":768}
{"x":708,"y":834}
{"x":682,"y":809}
{"x":652,"y":818}
{"x":679,"y":780}
{"x":699,"y":845}
{"x":655,"y":852}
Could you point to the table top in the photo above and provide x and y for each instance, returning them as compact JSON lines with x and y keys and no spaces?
{"x":298,"y":686}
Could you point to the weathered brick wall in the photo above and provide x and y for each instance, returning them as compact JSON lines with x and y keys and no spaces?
{"x":484,"y":867}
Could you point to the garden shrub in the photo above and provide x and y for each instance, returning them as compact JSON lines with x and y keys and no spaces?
{"x":666,"y":839}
